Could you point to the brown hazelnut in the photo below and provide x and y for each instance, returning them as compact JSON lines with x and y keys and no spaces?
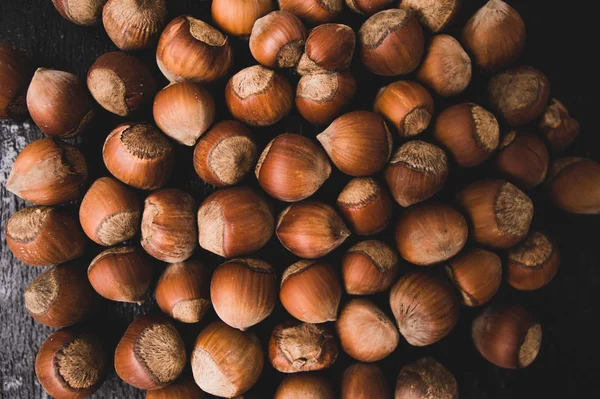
{"x":191,"y":50}
{"x":405,"y":105}
{"x":522,"y":159}
{"x":366,"y":205}
{"x":225,"y":361}
{"x":44,"y":236}
{"x":110,"y":212}
{"x":16,"y":71}
{"x":235,"y":221}
{"x":243,"y":292}
{"x":416,"y":172}
{"x":48,"y":172}
{"x":139,"y":155}
{"x":446,"y":67}
{"x":430,"y":233}
{"x":151,"y":353}
{"x":557,"y":126}
{"x":500,"y":213}
{"x":134,"y":24}
{"x":61,"y":296}
{"x":80,"y":12}
{"x":277,"y":40}
{"x":359,"y":143}
{"x":313,"y":12}
{"x":423,"y":378}
{"x":329,"y":48}
{"x":71,"y":363}
{"x":469,"y":132}
{"x":310,"y":291}
{"x":225,"y":154}
{"x":507,"y":336}
{"x":391,"y":43}
{"x":364,"y":381}
{"x":321,"y":97}
{"x":477,"y":274}
{"x":237,"y":18}
{"x":183,"y":388}
{"x":365,"y":332}
{"x":303,"y":385}
{"x":495,"y":35}
{"x":533,"y":263}
{"x":292,"y":167}
{"x":369,"y":267}
{"x":184,"y":111}
{"x":519,"y":94}
{"x":436,"y":15}
{"x":182,"y":291}
{"x":59,"y":103}
{"x":368,"y":7}
{"x":169,"y":227}
{"x":296,"y":347}
{"x":310,"y":229}
{"x":258,"y":96}
{"x":426,"y":308}
{"x":121,"y":274}
{"x":574,"y":185}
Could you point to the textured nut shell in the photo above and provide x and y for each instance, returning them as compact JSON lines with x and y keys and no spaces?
{"x":134,"y":24}
{"x":533,"y":263}
{"x":436,"y":15}
{"x":80,"y":12}
{"x":557,"y":126}
{"x":426,"y":378}
{"x":369,"y":267}
{"x":366,"y":205}
{"x":321,"y":97}
{"x":477,"y":274}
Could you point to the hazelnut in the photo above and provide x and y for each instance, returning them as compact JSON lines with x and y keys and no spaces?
{"x":151,"y":353}
{"x":48,"y":172}
{"x":59,"y":103}
{"x":183,"y":388}
{"x":533,"y":263}
{"x":423,"y":378}
{"x":368,"y":7}
{"x":16,"y":71}
{"x":243,"y":292}
{"x":364,"y":381}
{"x":225,"y":361}
{"x":426,"y":308}
{"x":237,"y":18}
{"x":225,"y":154}
{"x":277,"y":40}
{"x":120,"y":83}
{"x":258,"y":96}
{"x":329,"y":48}
{"x":182,"y":291}
{"x":321,"y":97}
{"x":184,"y":111}
{"x":522,"y":159}
{"x":446,"y":67}
{"x":405,"y":105}
{"x":416,"y":172}
{"x":469,"y":132}
{"x":169,"y":227}
{"x":303,"y":385}
{"x":391,"y":43}
{"x":110,"y":212}
{"x":296,"y":347}
{"x":495,"y":35}
{"x":477,"y":275}
{"x":365,"y":332}
{"x":80,"y":12}
{"x":44,"y":236}
{"x":310,"y":291}
{"x":310,"y":229}
{"x":500,"y":213}
{"x":574,"y":185}
{"x":121,"y":274}
{"x":557,"y":126}
{"x":235,"y":221}
{"x":430,"y":233}
{"x":359,"y":143}
{"x":314,"y":12}
{"x":435,"y":15}
{"x":139,"y":155}
{"x":519,"y":94}
{"x":134,"y":24}
{"x":507,"y":336}
{"x":191,"y":50}
{"x":369,"y":267}
{"x":366,"y":205}
{"x":292,"y":167}
{"x":71,"y":363}
{"x":61,"y":296}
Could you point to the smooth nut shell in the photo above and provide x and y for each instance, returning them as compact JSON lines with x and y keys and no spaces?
{"x":313,"y":12}
{"x":322,"y":97}
{"x":237,"y":18}
{"x":523,"y":159}
{"x":298,"y":386}
{"x":369,"y":267}
{"x":329,"y":48}
{"x":477,"y":274}
{"x":134,"y":24}
{"x":277,"y":40}
{"x":368,"y":7}
{"x":574,"y":185}
{"x":364,"y":381}
{"x":533,"y":263}
{"x":184,"y":388}
{"x":366,"y":205}
{"x":423,"y":378}
{"x":16,"y":71}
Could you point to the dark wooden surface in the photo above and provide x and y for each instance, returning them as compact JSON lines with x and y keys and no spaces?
{"x":561,"y":42}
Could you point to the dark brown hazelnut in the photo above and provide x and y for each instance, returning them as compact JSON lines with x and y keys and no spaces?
{"x":522,"y":159}
{"x":183,"y":388}
{"x":557,"y":126}
{"x":533,"y":263}
{"x":16,"y":70}
{"x":436,"y":15}
{"x":277,"y":40}
{"x":134,"y":24}
{"x":369,"y":267}
{"x":322,"y":97}
{"x":366,"y":205}
{"x":80,"y":12}
{"x":314,"y":12}
{"x":329,"y":48}
{"x":364,"y":381}
{"x":574,"y":185}
{"x":237,"y":18}
{"x":423,"y":378}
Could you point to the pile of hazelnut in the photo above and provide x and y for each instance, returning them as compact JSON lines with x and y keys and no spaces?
{"x":481,"y":238}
